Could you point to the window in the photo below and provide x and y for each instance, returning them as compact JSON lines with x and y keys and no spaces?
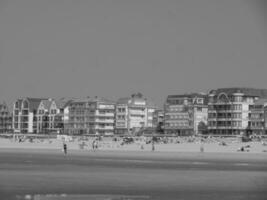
{"x":200,"y":101}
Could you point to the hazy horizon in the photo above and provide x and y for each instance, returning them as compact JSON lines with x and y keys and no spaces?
{"x":112,"y":49}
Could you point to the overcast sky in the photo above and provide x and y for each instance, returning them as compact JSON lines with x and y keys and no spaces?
{"x":64,"y":48}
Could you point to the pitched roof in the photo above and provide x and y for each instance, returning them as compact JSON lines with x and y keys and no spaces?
{"x":19,"y":102}
{"x":63,"y":102}
{"x":47,"y":103}
{"x":34,"y":103}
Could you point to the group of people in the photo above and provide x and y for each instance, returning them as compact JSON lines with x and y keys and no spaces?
{"x":94,"y":146}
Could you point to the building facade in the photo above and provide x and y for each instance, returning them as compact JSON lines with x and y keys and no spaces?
{"x":91,"y":116}
{"x":5,"y":119}
{"x":25,"y":115}
{"x":43,"y":117}
{"x":233,"y":111}
{"x":257,"y":119}
{"x":158,"y":118}
{"x":133,"y":113}
{"x":184,"y":113}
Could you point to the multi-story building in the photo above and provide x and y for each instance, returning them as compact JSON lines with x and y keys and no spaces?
{"x":256,"y":116}
{"x":79,"y":115}
{"x":5,"y":119}
{"x":133,"y":113}
{"x":25,"y":115}
{"x":232,"y":111}
{"x":59,"y":115}
{"x":51,"y":114}
{"x":43,"y":116}
{"x":183,"y":113}
{"x":91,"y":116}
{"x":158,"y":117}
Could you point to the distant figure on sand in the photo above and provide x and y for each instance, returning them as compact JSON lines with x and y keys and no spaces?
{"x":94,"y":144}
{"x":65,"y":148}
{"x":201,"y":148}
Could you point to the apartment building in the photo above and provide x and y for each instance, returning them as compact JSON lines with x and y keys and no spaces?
{"x":5,"y":119}
{"x":133,"y":113}
{"x":183,"y":113}
{"x":256,"y":116}
{"x":59,"y":115}
{"x":52,"y":115}
{"x":234,"y":111}
{"x":43,"y":118}
{"x":25,"y":115}
{"x":158,"y":117}
{"x":91,"y":116}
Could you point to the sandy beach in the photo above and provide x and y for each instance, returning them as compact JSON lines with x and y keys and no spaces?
{"x":107,"y":144}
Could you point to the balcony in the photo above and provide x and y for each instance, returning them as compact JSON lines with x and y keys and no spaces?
{"x":104,"y":127}
{"x":104,"y":114}
{"x":104,"y":120}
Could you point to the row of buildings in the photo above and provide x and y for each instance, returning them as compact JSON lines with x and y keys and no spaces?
{"x":225,"y":111}
{"x":74,"y":116}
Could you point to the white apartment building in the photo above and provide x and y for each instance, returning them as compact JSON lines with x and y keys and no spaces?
{"x":52,"y":115}
{"x":91,"y":116}
{"x":133,"y":114}
{"x":25,"y":115}
{"x":231,"y":110}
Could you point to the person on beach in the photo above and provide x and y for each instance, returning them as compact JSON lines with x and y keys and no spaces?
{"x":65,"y":148}
{"x":93,"y":145}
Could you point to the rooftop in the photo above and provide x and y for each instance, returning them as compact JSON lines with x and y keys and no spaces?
{"x":262,"y":93}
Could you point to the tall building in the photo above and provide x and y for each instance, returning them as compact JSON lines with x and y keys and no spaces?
{"x":43,"y":116}
{"x":184,"y":113}
{"x":232,"y":111}
{"x":256,"y":116}
{"x":25,"y":115}
{"x":158,"y":117}
{"x":5,"y":119}
{"x":60,"y":116}
{"x":51,"y":114}
{"x":91,"y":116}
{"x":133,"y":113}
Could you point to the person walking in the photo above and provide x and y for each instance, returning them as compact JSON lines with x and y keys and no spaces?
{"x":65,"y":148}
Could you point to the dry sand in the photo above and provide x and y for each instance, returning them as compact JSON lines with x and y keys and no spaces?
{"x":108,"y":145}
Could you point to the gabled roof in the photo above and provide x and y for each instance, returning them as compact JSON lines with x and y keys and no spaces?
{"x":46,"y":103}
{"x":19,"y":102}
{"x":34,"y":103}
{"x":63,"y":102}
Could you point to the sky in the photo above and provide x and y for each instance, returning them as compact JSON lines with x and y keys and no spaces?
{"x":113,"y":48}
